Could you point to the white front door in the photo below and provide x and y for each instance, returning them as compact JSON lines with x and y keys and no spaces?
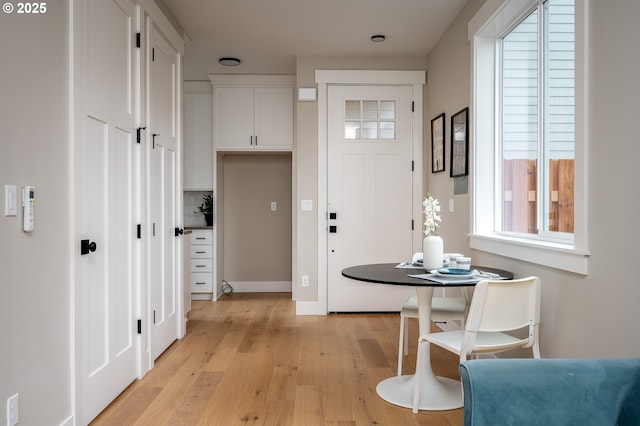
{"x":370,"y":187}
{"x":162,"y":186}
{"x":106,"y":162}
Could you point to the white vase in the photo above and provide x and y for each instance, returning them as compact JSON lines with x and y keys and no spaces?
{"x":432,"y":252}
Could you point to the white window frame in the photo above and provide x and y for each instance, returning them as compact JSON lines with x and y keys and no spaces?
{"x":491,"y":21}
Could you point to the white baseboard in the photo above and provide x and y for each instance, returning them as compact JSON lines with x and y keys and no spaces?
{"x":260,"y":286}
{"x":70,"y":421}
{"x":201,"y":296}
{"x":309,"y":308}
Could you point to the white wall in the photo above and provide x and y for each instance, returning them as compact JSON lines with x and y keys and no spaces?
{"x":35,"y":278}
{"x":582,"y":316}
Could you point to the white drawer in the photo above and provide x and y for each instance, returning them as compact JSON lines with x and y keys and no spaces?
{"x":201,"y":236}
{"x":201,"y":252}
{"x":201,"y":265}
{"x":201,"y":283}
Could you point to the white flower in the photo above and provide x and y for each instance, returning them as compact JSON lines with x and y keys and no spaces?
{"x":431,"y":216}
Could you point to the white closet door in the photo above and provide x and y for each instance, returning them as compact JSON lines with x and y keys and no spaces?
{"x":163,"y":273}
{"x":105,"y":164}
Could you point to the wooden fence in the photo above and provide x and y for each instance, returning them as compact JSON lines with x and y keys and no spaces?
{"x":520,"y":196}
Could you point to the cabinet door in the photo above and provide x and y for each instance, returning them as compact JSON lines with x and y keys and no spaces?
{"x":198,"y":145}
{"x":233,"y":109}
{"x":274,"y":118}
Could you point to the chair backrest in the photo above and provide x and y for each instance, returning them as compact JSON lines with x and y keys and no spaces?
{"x":504,"y":305}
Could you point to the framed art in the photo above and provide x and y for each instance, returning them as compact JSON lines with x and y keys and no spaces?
{"x":437,"y":144}
{"x":460,"y":143}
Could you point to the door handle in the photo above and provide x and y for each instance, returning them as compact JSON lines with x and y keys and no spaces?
{"x":333,"y":229}
{"x":87,"y":247}
{"x":178,"y":231}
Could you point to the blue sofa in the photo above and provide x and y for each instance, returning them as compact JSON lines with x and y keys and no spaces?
{"x":551,"y":392}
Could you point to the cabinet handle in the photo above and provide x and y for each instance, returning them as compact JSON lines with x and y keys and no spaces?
{"x":200,"y":283}
{"x":200,"y":252}
{"x":201,"y":238}
{"x":200,"y":266}
{"x":256,"y":140}
{"x":251,"y":140}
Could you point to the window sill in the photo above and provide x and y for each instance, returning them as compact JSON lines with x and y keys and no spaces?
{"x":553,"y":255}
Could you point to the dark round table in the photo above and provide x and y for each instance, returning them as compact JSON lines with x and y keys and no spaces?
{"x":436,"y":393}
{"x":387,"y":273}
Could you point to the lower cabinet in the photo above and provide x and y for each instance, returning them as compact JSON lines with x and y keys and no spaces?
{"x":201,"y":264}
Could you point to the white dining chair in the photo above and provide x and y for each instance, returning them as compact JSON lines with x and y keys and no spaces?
{"x":497,"y":307}
{"x":442,"y":309}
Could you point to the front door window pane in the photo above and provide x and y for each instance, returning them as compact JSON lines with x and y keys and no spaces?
{"x":369,"y":130}
{"x":370,"y":120}
{"x":352,"y":110}
{"x":387,"y":130}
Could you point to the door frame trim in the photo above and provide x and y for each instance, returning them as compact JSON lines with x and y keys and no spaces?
{"x":325,"y":78}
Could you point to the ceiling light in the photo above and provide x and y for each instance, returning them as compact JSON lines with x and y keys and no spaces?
{"x":229,"y":62}
{"x":378,"y":38}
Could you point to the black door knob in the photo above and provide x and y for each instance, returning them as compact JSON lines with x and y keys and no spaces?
{"x":87,"y":247}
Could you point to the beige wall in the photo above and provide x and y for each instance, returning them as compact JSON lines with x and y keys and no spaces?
{"x":35,"y":268}
{"x":257,"y":240}
{"x":448,"y":87}
{"x":582,"y":316}
{"x":306,"y":172}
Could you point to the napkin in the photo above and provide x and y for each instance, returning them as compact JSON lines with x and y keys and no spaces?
{"x":476,"y":277}
{"x":443,"y":280}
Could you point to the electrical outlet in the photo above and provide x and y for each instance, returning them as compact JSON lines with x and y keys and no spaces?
{"x":274,"y":206}
{"x":305,"y":281}
{"x":13,"y":410}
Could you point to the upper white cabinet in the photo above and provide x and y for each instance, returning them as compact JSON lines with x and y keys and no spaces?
{"x":253,"y":112}
{"x":198,"y":136}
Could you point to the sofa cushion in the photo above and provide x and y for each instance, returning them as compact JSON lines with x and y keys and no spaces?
{"x":551,"y":392}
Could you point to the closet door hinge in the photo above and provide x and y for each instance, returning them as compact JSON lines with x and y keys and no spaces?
{"x":412,"y":224}
{"x":153,"y":54}
{"x":138,"y":40}
{"x":139,"y":326}
{"x":413,"y":166}
{"x":139,"y":134}
{"x":413,"y":106}
{"x":138,"y":231}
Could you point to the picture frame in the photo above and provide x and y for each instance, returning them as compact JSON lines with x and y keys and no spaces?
{"x":460,"y":143}
{"x":438,"y":144}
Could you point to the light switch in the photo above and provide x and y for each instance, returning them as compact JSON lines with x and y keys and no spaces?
{"x":274,"y":206}
{"x":10,"y":200}
{"x":451,"y":205}
{"x":306,"y":205}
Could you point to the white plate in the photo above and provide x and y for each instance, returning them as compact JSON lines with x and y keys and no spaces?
{"x":452,"y":276}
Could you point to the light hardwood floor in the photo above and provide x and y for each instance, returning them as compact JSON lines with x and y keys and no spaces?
{"x":247,"y":359}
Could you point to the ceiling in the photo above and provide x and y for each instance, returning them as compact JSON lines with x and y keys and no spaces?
{"x":268,"y":35}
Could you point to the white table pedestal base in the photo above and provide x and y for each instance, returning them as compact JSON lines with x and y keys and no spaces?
{"x":436,"y":393}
